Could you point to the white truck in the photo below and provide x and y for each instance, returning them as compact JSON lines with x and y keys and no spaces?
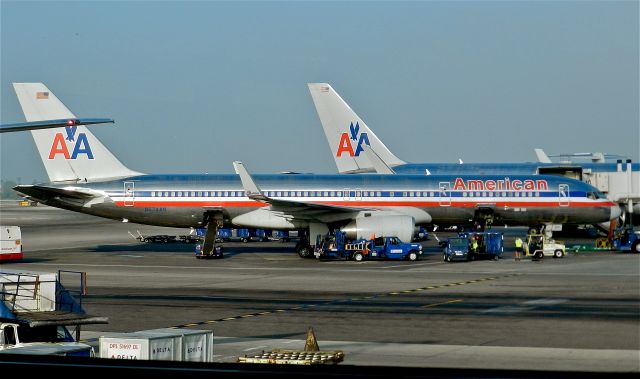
{"x":538,"y":246}
{"x":10,"y":344}
{"x":10,"y":243}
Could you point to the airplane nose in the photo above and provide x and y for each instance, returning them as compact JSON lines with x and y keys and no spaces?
{"x":615,"y":212}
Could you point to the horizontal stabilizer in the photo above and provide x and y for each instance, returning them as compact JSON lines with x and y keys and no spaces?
{"x":43,"y":193}
{"x":47,"y":124}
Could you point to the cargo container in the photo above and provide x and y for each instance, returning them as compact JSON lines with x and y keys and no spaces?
{"x":159,"y":344}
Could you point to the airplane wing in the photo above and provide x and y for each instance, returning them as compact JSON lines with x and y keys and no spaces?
{"x":77,"y":196}
{"x":291,"y":208}
{"x":60,"y":123}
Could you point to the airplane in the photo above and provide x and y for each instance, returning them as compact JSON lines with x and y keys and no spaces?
{"x":86,"y":177}
{"x":47,"y":124}
{"x":356,"y":149}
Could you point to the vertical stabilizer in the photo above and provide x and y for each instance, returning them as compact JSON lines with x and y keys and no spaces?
{"x":347,"y":133}
{"x":71,"y":153}
{"x":542,"y":156}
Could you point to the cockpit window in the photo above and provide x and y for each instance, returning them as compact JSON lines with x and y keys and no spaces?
{"x":595,"y":195}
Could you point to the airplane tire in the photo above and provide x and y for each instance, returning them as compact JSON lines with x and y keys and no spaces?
{"x":304,"y":252}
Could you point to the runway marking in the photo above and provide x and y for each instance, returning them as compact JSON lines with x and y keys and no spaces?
{"x":443,"y":303}
{"x":525,"y":306}
{"x":131,"y":256}
{"x":353,"y":299}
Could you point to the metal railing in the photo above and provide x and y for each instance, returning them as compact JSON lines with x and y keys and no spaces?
{"x":11,"y":291}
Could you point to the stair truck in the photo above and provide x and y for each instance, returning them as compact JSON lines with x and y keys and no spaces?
{"x":336,"y":246}
{"x":36,"y":310}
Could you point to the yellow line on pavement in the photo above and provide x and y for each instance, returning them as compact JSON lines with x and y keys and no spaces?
{"x":443,"y":303}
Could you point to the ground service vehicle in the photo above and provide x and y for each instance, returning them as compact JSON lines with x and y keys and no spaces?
{"x":538,"y":246}
{"x":489,"y":245}
{"x":10,"y":243}
{"x":629,"y":240}
{"x":336,"y":246}
{"x":457,"y":249}
{"x":64,"y":344}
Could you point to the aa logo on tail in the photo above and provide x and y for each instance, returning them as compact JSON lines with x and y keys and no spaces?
{"x":346,"y":146}
{"x":77,"y":146}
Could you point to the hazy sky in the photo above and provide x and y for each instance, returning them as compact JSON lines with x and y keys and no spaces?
{"x":194,"y":86}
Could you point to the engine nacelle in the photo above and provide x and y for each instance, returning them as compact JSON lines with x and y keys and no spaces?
{"x":399,"y":226}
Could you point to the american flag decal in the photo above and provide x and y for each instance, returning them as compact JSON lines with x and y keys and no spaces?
{"x":42,"y":95}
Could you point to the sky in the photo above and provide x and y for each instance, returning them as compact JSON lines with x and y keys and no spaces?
{"x":193,"y":86}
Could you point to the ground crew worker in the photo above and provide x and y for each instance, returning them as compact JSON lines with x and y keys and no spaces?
{"x":474,"y":245}
{"x":518,"y":248}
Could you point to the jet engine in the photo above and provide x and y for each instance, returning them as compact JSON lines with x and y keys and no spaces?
{"x":399,"y":226}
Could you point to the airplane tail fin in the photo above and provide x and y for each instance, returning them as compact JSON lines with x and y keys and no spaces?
{"x":542,"y":156}
{"x":71,"y":153}
{"x":347,"y":133}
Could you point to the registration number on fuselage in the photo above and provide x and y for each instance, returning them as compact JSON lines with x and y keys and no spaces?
{"x":155,"y":209}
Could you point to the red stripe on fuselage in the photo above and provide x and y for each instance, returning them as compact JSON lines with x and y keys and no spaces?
{"x":461,"y":204}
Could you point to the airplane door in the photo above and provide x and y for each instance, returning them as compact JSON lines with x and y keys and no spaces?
{"x":563,"y":195}
{"x":347,"y":194}
{"x":445,"y":194}
{"x":129,"y":194}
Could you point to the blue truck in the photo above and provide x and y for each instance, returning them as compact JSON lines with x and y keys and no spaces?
{"x":461,"y":248}
{"x":336,"y":246}
{"x":627,"y":240}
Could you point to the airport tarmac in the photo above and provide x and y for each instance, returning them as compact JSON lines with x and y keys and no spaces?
{"x":581,"y":312}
